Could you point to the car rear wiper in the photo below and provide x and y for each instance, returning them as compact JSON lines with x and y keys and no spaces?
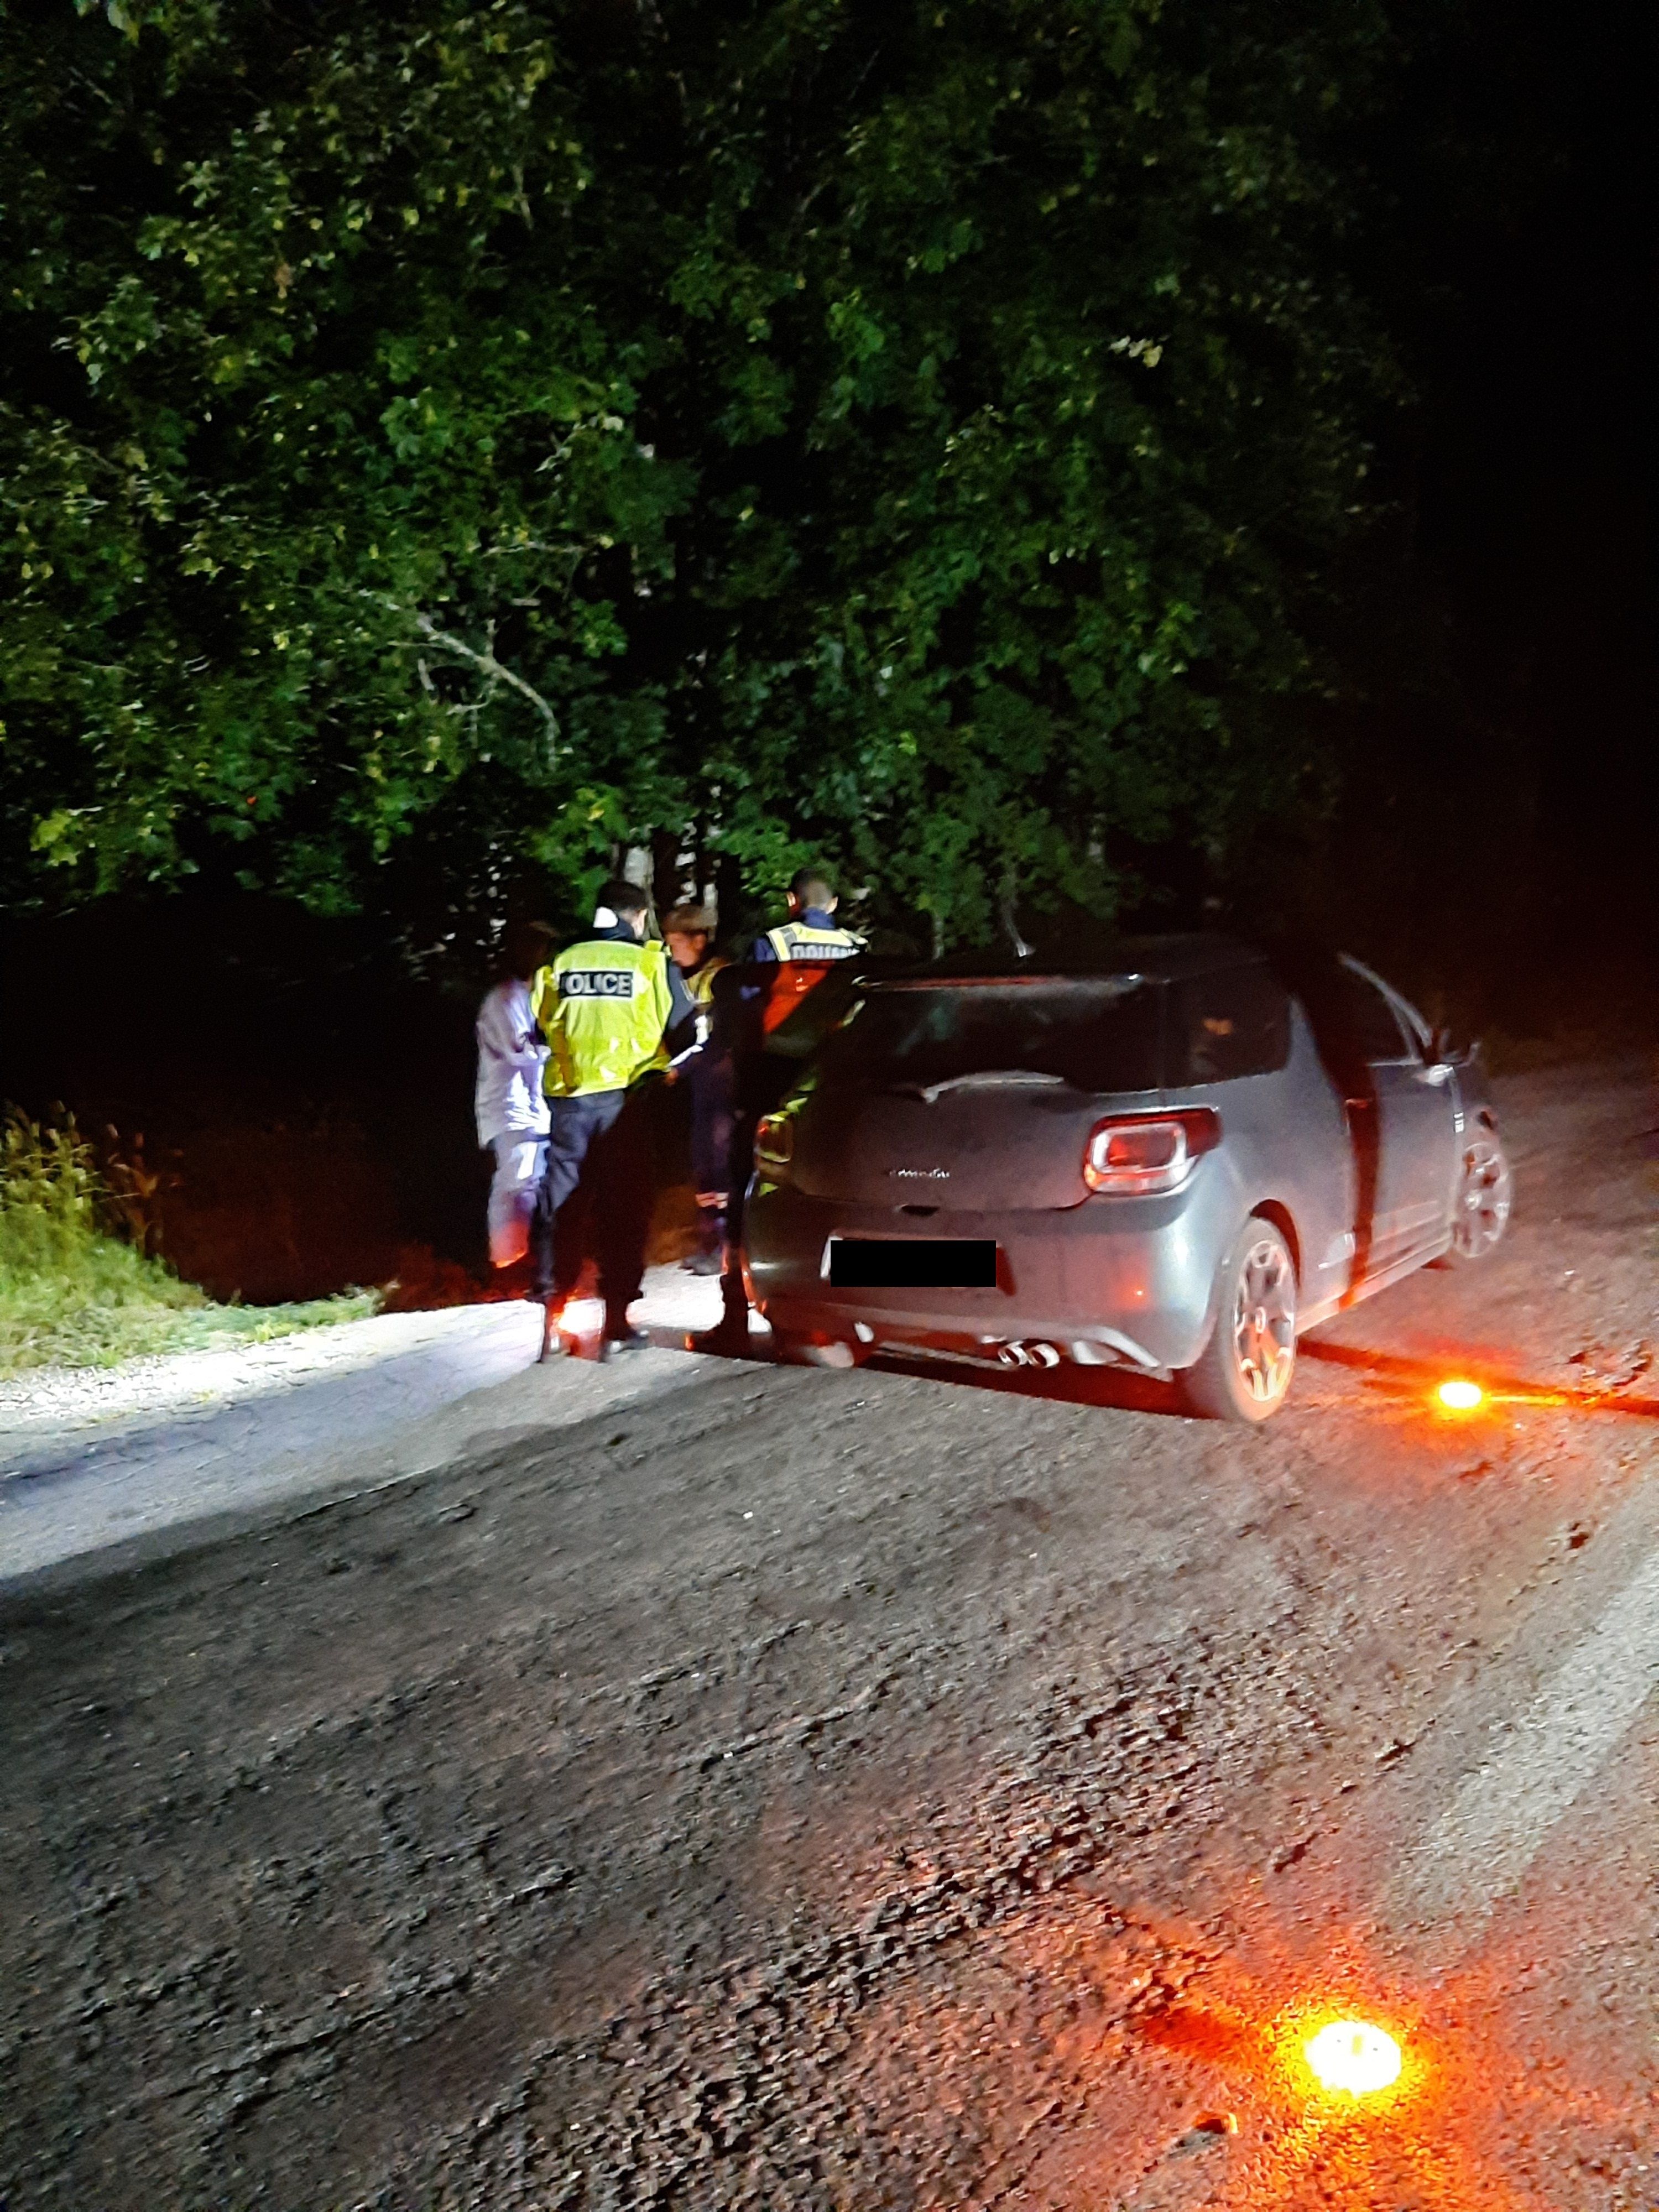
{"x":987,"y":1077}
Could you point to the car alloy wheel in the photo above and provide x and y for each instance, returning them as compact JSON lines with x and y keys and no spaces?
{"x":1243,"y":1372}
{"x":1485,"y":1192}
{"x":1264,"y":1320}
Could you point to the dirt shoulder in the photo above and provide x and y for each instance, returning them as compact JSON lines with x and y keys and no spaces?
{"x":102,"y":1469}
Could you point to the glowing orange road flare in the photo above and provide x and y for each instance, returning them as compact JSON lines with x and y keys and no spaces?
{"x":1461,"y":1397}
{"x":1350,"y":2058}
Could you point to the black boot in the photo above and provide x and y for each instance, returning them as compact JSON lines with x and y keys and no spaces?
{"x":730,"y":1339}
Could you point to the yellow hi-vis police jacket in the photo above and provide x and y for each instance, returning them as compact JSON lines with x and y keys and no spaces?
{"x":603,"y":1007}
{"x":798,"y":940}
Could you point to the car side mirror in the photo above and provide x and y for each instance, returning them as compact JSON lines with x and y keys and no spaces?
{"x":1440,"y":1051}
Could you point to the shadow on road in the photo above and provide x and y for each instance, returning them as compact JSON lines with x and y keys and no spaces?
{"x":1398,"y":1374}
{"x":1067,"y":1384}
{"x":1401,"y":1372}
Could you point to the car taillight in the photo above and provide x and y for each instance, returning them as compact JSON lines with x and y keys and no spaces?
{"x":775,"y":1144}
{"x":1135,"y":1154}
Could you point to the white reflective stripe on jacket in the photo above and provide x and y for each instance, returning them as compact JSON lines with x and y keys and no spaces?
{"x":798,"y":940}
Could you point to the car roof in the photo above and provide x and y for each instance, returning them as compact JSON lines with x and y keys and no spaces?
{"x":1165,"y":959}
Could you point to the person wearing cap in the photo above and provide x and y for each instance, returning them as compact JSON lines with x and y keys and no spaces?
{"x":604,"y":1006}
{"x":509,"y":1104}
{"x":706,"y":1071}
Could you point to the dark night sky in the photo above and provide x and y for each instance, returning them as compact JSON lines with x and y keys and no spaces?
{"x":1495,"y":843}
{"x":1538,"y":457}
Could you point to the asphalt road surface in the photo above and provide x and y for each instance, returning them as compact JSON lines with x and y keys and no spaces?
{"x":784,"y":1789}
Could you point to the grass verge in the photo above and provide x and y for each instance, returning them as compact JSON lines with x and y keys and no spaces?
{"x":73,"y":1294}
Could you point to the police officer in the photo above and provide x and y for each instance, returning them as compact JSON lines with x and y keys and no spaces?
{"x":706,"y":1071}
{"x":603,"y":1005}
{"x":810,"y":934}
{"x":749,"y":1002}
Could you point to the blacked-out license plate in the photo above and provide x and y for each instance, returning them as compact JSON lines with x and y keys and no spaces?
{"x":912,"y":1263}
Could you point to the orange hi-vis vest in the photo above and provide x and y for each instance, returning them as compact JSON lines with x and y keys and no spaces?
{"x":804,"y":955}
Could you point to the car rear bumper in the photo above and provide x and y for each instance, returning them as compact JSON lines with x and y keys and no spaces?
{"x":1110,"y":1280}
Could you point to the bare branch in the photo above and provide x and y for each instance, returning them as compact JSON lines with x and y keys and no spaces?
{"x":497,"y":671}
{"x":1006,"y":911}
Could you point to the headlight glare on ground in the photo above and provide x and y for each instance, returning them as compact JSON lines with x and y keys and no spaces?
{"x":582,"y":1317}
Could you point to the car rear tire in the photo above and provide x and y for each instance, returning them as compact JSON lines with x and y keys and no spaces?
{"x":1485,"y":1192}
{"x":1246,"y":1368}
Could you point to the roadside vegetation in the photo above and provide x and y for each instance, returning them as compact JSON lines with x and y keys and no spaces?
{"x":77,"y":1287}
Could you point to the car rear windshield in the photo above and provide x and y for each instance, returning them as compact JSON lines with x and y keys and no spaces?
{"x":1232,"y":1022}
{"x":1097,"y":1033}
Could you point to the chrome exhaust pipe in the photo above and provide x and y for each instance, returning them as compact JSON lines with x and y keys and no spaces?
{"x":1021,"y":1354}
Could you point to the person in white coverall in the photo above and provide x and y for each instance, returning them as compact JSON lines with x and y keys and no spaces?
{"x":509,"y":1102}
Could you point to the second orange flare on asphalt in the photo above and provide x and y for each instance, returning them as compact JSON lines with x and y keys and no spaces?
{"x":1460,"y":1396}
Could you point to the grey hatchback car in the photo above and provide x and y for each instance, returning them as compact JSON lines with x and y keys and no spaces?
{"x":1174,"y":1164}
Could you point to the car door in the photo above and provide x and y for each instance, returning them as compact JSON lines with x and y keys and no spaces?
{"x":1411,"y":1108}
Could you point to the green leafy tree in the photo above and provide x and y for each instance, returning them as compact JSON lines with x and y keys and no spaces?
{"x":1026,"y":330}
{"x":319,"y":477}
{"x":908,"y":436}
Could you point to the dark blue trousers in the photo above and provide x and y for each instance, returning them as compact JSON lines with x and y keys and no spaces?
{"x":708,"y":1078}
{"x":602,"y":1141}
